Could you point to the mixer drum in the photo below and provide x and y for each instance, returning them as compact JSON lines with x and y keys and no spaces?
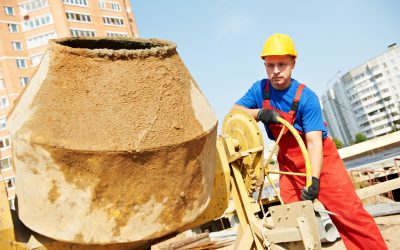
{"x":113,"y":141}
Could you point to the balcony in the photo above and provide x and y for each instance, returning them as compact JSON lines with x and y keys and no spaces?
{"x":11,"y":193}
{"x":7,"y":173}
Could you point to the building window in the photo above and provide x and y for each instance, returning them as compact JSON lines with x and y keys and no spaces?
{"x":3,"y":123}
{"x":114,"y":21}
{"x":40,"y":40}
{"x":10,"y":183}
{"x":5,"y":163}
{"x":360,"y":76}
{"x":35,"y":60}
{"x":115,"y":6}
{"x":3,"y":102}
{"x":5,"y":143}
{"x":102,"y":5}
{"x":76,"y":2}
{"x":71,"y":16}
{"x":16,"y":45}
{"x":78,"y":32}
{"x":37,"y":22}
{"x":2,"y":84}
{"x":114,"y":34}
{"x":12,"y":27}
{"x":21,"y":63}
{"x":9,"y":11}
{"x":32,"y":5}
{"x":108,"y":5}
{"x":24,"y":81}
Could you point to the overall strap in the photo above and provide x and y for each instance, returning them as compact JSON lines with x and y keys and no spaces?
{"x":266,"y":95}
{"x":295,"y":103}
{"x":296,"y":100}
{"x":266,"y":91}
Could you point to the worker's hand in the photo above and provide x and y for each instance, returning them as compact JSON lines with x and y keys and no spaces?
{"x":311,"y":192}
{"x":268,"y":116}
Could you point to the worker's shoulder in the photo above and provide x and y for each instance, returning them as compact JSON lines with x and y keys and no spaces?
{"x":258,"y":86}
{"x":260,"y":83}
{"x":308,"y":93}
{"x":308,"y":99}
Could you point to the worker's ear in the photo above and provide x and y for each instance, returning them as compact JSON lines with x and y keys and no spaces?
{"x":294,"y":61}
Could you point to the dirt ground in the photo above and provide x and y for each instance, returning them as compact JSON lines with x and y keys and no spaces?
{"x":389,"y":227}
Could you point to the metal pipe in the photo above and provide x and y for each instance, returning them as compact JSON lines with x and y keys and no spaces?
{"x":266,"y":165}
{"x":303,"y":149}
{"x":283,"y":172}
{"x":328,"y":231}
{"x":276,"y":191}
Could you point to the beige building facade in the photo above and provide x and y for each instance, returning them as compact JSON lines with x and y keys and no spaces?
{"x":25,"y":28}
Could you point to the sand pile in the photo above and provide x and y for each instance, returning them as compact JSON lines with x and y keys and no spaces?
{"x":113,"y":142}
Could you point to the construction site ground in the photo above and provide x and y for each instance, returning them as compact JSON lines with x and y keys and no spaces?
{"x":388,"y":225}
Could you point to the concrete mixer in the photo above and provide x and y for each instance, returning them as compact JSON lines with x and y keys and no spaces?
{"x":115,"y":147}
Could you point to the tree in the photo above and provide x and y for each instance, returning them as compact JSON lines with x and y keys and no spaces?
{"x":338,"y":143}
{"x":395,"y":126}
{"x":360,"y":137}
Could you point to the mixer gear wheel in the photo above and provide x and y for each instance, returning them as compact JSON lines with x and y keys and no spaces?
{"x":240,"y":126}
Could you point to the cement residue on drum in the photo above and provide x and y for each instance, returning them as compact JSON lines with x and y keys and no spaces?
{"x":123,"y":128}
{"x":120,"y":105}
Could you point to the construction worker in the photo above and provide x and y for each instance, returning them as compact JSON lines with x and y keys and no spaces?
{"x":281,"y":95}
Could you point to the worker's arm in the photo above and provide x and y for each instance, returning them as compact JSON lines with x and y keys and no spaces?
{"x":265,"y":115}
{"x":314,"y":147}
{"x":252,"y":112}
{"x":315,"y":152}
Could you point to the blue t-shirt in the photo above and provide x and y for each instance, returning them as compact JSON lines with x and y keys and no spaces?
{"x":308,"y":115}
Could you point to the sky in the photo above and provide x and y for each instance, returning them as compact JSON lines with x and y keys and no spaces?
{"x":220,"y":41}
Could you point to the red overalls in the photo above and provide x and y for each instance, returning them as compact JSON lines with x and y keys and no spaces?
{"x":356,"y":227}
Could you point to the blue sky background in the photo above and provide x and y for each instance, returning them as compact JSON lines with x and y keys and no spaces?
{"x":220,"y":40}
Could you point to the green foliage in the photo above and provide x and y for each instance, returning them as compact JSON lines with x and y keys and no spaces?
{"x":338,"y":143}
{"x":395,"y":127}
{"x":360,"y":137}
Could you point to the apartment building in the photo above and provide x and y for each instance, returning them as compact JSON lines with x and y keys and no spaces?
{"x":25,"y":28}
{"x":333,"y":115}
{"x":365,"y":99}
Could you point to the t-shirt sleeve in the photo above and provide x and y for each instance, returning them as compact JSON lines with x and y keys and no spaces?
{"x":312,"y":115}
{"x":249,"y":100}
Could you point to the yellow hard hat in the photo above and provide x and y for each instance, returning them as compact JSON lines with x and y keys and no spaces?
{"x":277,"y":45}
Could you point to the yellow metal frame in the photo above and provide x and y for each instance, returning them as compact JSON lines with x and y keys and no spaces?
{"x":248,"y":144}
{"x":304,"y":152}
{"x":250,"y":233}
{"x":303,"y":148}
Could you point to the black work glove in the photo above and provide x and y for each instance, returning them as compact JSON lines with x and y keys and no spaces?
{"x":268,"y":116}
{"x":311,"y":192}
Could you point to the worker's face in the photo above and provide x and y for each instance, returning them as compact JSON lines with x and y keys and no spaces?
{"x":279,"y":70}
